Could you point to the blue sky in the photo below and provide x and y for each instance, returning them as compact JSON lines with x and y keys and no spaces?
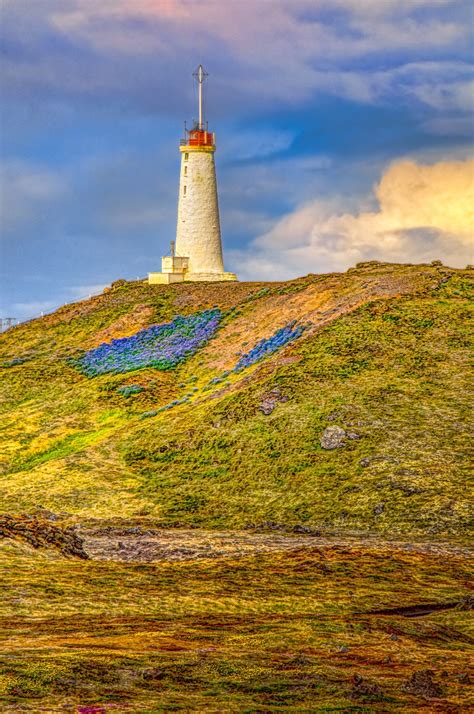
{"x":344,"y":132}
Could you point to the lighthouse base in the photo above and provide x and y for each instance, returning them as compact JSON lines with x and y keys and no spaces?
{"x":208,"y":277}
{"x":185,"y":277}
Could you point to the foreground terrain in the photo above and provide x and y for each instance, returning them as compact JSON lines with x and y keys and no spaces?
{"x":271,"y":516}
{"x":236,"y":622}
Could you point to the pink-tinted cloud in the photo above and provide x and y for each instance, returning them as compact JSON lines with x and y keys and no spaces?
{"x":273,"y":49}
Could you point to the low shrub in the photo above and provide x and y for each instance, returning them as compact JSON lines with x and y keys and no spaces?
{"x":129,"y":389}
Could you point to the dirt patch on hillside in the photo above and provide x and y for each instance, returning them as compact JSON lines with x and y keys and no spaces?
{"x":127,"y":325}
{"x":137,"y":544}
{"x":316,"y":302}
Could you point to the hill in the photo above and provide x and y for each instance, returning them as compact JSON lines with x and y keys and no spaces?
{"x":239,"y":497}
{"x":227,"y":415}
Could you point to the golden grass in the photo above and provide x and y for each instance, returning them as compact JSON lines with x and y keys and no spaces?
{"x":274,"y":632}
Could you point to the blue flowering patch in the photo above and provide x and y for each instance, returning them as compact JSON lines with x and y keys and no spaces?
{"x":159,"y":346}
{"x":267,"y":346}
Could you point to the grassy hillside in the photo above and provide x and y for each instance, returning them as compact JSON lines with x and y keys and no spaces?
{"x":383,"y":355}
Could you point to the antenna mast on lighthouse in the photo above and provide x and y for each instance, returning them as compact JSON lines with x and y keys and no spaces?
{"x":200,"y":75}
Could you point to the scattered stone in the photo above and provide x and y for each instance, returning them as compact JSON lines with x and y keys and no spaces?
{"x":405,"y":488}
{"x":364,"y":688}
{"x":47,"y":515}
{"x":305,"y":530}
{"x":365,"y":462}
{"x":405,"y":472}
{"x":421,"y":684}
{"x":270,"y":401}
{"x":353,"y":435}
{"x":334,"y":437}
{"x":379,"y":508}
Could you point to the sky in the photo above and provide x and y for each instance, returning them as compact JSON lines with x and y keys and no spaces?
{"x":344,"y":133}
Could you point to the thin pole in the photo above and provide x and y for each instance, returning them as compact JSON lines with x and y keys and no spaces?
{"x":200,"y":80}
{"x":200,"y":75}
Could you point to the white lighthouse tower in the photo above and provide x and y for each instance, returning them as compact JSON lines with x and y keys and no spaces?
{"x":197,"y":253}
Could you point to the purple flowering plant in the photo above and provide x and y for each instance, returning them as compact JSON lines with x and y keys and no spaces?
{"x":160,"y":346}
{"x":262,"y":349}
{"x":268,"y":346}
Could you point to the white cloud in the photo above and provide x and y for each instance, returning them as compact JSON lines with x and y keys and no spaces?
{"x":425,"y":213}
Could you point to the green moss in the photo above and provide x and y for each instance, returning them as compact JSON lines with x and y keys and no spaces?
{"x":64,"y":447}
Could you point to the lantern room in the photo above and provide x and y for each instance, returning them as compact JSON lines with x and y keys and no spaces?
{"x":199,"y":138}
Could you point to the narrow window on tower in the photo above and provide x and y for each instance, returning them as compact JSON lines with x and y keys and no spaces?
{"x":186,"y":156}
{"x":184,"y":190}
{"x":185,"y":170}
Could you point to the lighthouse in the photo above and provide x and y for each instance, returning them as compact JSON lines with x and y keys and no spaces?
{"x":196,"y":255}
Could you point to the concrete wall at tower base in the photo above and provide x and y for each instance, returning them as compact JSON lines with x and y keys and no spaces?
{"x":208,"y":277}
{"x":167,"y":278}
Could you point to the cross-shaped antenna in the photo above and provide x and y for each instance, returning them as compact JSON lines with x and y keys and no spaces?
{"x":200,"y":75}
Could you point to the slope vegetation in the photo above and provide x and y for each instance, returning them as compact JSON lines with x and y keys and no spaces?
{"x":235,"y":432}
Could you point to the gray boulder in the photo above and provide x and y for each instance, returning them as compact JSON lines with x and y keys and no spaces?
{"x":270,"y":401}
{"x":334,"y":437}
